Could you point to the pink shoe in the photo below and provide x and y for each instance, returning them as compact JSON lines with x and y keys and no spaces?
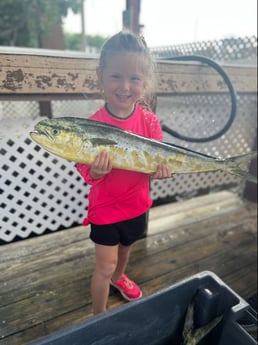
{"x":128,"y":289}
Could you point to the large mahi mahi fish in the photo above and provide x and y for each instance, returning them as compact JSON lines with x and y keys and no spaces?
{"x":81,"y":140}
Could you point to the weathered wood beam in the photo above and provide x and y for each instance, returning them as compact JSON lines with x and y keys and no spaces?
{"x":59,"y":76}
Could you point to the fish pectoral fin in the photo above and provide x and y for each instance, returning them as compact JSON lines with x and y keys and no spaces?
{"x":104,"y":142}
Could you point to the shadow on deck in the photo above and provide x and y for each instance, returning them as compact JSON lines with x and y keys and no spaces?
{"x":44,"y":283}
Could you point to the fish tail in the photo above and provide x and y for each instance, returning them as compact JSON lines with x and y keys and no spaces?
{"x":233,"y":166}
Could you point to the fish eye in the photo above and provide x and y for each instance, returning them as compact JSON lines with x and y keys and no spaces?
{"x":55,"y":131}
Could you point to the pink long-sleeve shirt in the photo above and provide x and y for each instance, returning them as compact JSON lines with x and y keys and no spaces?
{"x":121,"y":194}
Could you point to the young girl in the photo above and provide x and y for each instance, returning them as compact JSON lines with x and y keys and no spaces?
{"x":119,"y":199}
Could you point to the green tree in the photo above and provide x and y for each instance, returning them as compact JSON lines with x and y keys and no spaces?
{"x":73,"y":41}
{"x":23,"y":22}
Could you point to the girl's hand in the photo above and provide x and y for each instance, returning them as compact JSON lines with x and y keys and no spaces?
{"x":162,"y":172}
{"x":101,"y":166}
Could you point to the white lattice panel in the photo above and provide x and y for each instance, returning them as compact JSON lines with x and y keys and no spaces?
{"x":75,"y":108}
{"x":38,"y":191}
{"x":18,"y":109}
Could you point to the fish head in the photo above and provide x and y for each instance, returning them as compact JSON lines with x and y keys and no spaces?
{"x":61,"y":137}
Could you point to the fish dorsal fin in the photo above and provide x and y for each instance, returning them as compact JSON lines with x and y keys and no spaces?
{"x":189,"y":150}
{"x":101,"y":141}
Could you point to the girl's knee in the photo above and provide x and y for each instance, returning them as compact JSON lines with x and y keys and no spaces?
{"x":106,"y":269}
{"x":106,"y":260}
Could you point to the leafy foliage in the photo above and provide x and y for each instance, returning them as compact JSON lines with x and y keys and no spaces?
{"x":73,"y":41}
{"x":23,"y":22}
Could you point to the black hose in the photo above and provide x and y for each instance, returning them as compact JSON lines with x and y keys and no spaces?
{"x":232,"y":92}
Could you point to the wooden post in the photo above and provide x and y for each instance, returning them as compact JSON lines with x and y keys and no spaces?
{"x":131,"y":16}
{"x":83,"y":36}
{"x":250,"y":191}
{"x":45,"y":108}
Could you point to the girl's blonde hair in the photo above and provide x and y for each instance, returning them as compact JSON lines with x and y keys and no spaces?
{"x":126,"y":41}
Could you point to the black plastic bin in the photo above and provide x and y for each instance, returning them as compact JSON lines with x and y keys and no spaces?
{"x":159,"y":319}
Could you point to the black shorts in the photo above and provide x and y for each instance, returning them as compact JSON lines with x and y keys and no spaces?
{"x":125,"y":232}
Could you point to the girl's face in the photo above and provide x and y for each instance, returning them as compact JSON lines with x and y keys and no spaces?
{"x":123,"y":82}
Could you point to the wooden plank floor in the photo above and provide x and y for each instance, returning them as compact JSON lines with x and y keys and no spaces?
{"x":44,"y":281}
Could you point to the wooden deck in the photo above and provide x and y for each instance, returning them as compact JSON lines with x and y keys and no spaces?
{"x":44,"y":282}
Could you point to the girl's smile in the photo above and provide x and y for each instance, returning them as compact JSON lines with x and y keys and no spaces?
{"x":123,"y":82}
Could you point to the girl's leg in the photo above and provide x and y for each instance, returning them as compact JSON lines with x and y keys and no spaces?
{"x":123,"y":256}
{"x":106,"y":263}
{"x":129,"y":289}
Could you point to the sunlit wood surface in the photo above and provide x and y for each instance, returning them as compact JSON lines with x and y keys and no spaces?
{"x":44,"y":282}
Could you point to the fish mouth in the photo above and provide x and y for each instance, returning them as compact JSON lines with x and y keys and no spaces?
{"x":38,"y":133}
{"x":45,"y":140}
